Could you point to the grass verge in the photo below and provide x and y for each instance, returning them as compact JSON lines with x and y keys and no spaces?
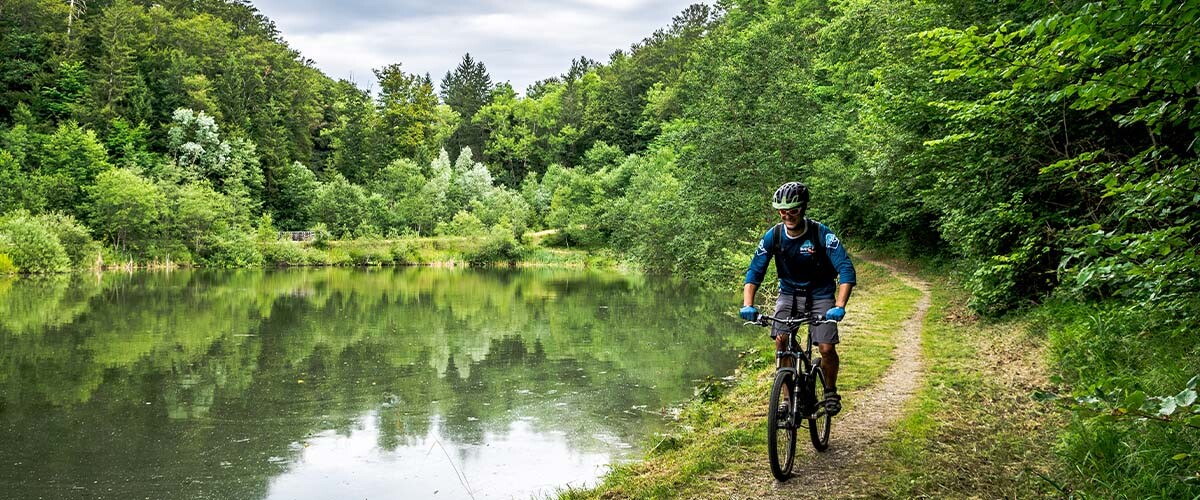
{"x":1127,"y":363}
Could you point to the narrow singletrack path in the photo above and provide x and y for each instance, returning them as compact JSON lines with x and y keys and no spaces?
{"x":858,"y":431}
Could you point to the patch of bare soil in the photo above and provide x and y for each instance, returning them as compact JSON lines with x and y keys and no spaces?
{"x":857,"y":432}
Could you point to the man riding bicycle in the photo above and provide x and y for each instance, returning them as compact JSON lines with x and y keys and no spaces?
{"x":815,"y":276}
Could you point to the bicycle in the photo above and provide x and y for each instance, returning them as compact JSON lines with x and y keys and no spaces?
{"x":804,"y":380}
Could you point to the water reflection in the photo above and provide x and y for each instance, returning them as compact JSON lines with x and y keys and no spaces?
{"x":332,"y":382}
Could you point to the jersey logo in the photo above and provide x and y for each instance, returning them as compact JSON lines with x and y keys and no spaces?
{"x":762,"y":249}
{"x":807,"y":248}
{"x":831,"y":241}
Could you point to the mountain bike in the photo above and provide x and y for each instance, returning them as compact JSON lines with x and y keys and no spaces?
{"x":804,"y":382}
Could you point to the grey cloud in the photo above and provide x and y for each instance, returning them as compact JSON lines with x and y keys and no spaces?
{"x":518,"y":41}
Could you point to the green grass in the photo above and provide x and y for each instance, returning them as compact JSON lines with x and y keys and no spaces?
{"x":1118,"y":349}
{"x":725,"y":436}
{"x":563,"y":257}
{"x":973,"y":429}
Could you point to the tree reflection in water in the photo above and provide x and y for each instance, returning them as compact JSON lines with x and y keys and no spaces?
{"x":211,"y":384}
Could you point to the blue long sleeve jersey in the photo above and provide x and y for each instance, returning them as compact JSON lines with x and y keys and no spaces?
{"x":797,"y":265}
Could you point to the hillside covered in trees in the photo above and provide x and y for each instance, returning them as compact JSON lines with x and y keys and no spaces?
{"x":1046,"y":151}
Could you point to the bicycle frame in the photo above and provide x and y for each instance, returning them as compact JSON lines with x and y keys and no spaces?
{"x":802,"y":365}
{"x":800,"y":357}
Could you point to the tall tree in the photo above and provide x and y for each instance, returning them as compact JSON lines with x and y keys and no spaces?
{"x":118,"y":90}
{"x":28,"y":31}
{"x":64,"y":98}
{"x":353,"y":138}
{"x":291,"y":197}
{"x":71,"y":159}
{"x":467,"y":89}
{"x":408,"y":114}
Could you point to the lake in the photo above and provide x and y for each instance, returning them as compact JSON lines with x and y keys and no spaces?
{"x":345,"y":383}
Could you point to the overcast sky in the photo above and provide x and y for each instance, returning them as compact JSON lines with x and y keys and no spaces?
{"x":520,"y":41}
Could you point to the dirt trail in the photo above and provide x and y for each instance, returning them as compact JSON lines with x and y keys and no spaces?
{"x":857,"y":431}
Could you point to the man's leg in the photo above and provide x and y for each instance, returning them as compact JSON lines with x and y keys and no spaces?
{"x":781,"y":342}
{"x":829,"y":364}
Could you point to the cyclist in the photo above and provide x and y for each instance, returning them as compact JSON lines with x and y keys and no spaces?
{"x":815,"y":273}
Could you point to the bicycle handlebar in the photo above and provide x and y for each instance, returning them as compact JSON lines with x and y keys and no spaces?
{"x":810,"y":320}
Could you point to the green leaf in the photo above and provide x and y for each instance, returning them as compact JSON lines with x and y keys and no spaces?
{"x":1186,"y":397}
{"x":1043,"y":396}
{"x":1135,"y":399}
{"x":1194,"y":421}
{"x":1168,"y":407}
{"x":1180,"y":456}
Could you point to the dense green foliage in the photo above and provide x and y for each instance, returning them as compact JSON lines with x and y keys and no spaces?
{"x":1048,"y":149}
{"x":170,"y":128}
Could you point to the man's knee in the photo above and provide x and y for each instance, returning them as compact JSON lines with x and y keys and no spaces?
{"x":827,"y":349}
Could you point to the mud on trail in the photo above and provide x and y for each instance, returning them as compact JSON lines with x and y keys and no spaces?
{"x":858,"y":432}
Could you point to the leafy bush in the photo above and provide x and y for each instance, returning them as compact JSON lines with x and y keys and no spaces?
{"x":366,"y":231}
{"x":316,"y":257}
{"x":6,"y":264}
{"x":369,"y":255}
{"x":464,"y":224}
{"x":231,"y":249}
{"x":573,"y":237}
{"x":1132,"y":444}
{"x":127,"y":210}
{"x":265,"y":231}
{"x":32,"y":246}
{"x":338,"y":257}
{"x":406,"y":252}
{"x":204,"y":218}
{"x":498,"y":247}
{"x":321,"y":235}
{"x":341,"y":205}
{"x":503,"y":207}
{"x":74,"y":237}
{"x":1134,"y":428}
{"x":282,"y":253}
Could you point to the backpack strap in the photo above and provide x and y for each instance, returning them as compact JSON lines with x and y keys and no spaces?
{"x":824,"y":266}
{"x":813,"y":232}
{"x":777,"y":245}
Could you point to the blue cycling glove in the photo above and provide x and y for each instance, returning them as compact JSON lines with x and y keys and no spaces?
{"x":835,"y":314}
{"x":748,"y":313}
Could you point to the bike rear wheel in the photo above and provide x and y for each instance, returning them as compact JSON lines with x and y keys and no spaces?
{"x":781,"y":429}
{"x":820,"y":420}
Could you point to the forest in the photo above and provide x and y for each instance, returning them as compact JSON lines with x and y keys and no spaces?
{"x":1044,"y":154}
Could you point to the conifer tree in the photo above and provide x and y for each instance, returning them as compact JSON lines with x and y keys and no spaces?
{"x":467,"y":89}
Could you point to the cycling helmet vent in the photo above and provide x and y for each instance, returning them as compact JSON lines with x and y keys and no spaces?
{"x":791,"y":195}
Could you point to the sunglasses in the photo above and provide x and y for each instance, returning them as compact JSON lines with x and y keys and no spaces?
{"x":790,"y":212}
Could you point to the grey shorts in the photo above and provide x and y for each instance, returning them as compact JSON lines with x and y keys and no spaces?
{"x":826,"y":333}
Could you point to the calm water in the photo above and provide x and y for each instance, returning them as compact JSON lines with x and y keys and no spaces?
{"x":337,"y":383}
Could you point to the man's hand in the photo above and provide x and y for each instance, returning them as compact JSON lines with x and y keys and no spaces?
{"x":749,"y":313}
{"x":835,"y":314}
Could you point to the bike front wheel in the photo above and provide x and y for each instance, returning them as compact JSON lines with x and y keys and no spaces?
{"x":781,"y":427}
{"x":820,"y":420}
